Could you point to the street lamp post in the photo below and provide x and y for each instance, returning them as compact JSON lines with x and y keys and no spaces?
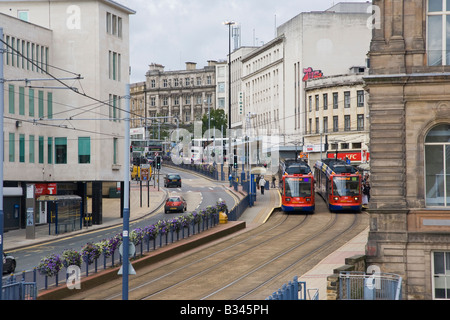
{"x":229,"y":24}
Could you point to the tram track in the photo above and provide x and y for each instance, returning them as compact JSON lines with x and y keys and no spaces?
{"x":250,"y":265}
{"x":281,"y":220}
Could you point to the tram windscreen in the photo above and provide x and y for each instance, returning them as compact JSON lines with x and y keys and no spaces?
{"x":297,"y":187}
{"x":346,"y":186}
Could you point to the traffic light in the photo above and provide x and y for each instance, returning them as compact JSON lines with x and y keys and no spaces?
{"x":158,"y":162}
{"x":131,"y":149}
{"x":235,"y":162}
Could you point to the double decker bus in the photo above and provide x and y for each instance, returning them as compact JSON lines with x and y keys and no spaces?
{"x":297,"y":187}
{"x":339,"y":184}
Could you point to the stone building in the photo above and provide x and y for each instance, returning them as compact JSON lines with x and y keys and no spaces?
{"x":336,"y":112}
{"x":169,"y":95}
{"x":409,"y":88}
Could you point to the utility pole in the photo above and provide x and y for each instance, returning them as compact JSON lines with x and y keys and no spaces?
{"x":2,"y":101}
{"x":126,"y":207}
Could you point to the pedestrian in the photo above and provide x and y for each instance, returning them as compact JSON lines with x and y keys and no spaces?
{"x":257,"y":181}
{"x":366,"y":193}
{"x":273,"y":181}
{"x":262,"y":183}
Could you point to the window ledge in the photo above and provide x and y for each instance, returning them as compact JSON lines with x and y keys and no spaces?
{"x":116,"y":167}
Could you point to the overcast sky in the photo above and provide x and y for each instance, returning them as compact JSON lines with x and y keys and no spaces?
{"x":172,"y":32}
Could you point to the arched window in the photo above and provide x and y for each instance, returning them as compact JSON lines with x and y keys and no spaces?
{"x":437,"y":166}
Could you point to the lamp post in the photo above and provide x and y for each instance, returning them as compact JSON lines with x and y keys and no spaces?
{"x":229,"y":24}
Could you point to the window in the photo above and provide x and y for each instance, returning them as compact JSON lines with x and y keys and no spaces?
{"x":114,"y":65}
{"x":21,"y":147}
{"x":325,"y":101}
{"x":335,"y":123}
{"x":360,"y":122}
{"x":12,"y":148}
{"x":441,"y":275}
{"x":11,"y":95}
{"x":437,"y":166}
{"x":115,"y":147}
{"x":31,"y":148}
{"x":347,"y":99}
{"x":41,"y":104}
{"x":347,"y":124}
{"x":31,"y":102}
{"x":49,"y":105}
{"x":310,"y":103}
{"x":325,"y":124}
{"x":50,"y":150}
{"x":335,"y":100}
{"x":41,"y":149}
{"x":438,"y":32}
{"x":221,"y":87}
{"x":61,"y":150}
{"x":84,"y":150}
{"x":22,"y":15}
{"x":22,"y":101}
{"x":360,"y":98}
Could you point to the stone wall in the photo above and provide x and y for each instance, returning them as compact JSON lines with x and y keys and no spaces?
{"x":354,"y":263}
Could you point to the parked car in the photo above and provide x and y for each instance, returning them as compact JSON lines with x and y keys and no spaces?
{"x":175,"y":203}
{"x":9,"y":263}
{"x":172,"y":179}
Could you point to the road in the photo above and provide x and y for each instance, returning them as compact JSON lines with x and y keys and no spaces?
{"x":198,"y":192}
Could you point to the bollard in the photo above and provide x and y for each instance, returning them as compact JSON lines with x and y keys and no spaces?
{"x":223,"y":218}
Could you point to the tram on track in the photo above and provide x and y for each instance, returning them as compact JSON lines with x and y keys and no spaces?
{"x":297,"y":187}
{"x":339,"y":184}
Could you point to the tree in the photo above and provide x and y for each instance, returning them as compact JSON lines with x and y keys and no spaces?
{"x":218,"y":120}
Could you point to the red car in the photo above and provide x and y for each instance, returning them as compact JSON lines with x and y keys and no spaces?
{"x":175,"y":203}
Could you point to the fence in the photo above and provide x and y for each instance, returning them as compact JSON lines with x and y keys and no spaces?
{"x":113,"y":258}
{"x":14,"y":290}
{"x":361,"y":286}
{"x":295,"y":290}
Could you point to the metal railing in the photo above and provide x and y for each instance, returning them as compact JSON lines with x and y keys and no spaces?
{"x":18,"y":290}
{"x":355,"y":285}
{"x":103,"y":262}
{"x":295,"y":290}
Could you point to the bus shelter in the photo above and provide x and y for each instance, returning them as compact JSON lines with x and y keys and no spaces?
{"x":64,"y":213}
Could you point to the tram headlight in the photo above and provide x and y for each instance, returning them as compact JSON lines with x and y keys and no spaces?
{"x":308,"y":199}
{"x":336,"y":198}
{"x":288,"y":199}
{"x":356,"y":198}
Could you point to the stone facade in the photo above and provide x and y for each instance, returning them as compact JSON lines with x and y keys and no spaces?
{"x":409,"y":97}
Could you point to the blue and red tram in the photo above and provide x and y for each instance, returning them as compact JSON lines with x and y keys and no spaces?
{"x":339,"y":184}
{"x":297,"y":188}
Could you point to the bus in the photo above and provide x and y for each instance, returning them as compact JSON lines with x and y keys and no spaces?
{"x":339,"y":184}
{"x":144,"y":149}
{"x":297,"y":187}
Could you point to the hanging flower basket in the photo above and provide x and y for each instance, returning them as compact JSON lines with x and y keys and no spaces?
{"x":50,"y":266}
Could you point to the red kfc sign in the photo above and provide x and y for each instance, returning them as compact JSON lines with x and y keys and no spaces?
{"x":352,"y":156}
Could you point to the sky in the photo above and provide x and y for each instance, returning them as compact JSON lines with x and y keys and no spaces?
{"x":172,"y":32}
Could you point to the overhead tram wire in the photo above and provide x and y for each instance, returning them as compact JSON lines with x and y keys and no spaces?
{"x":61,"y":82}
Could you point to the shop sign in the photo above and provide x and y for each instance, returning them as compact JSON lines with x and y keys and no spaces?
{"x":44,"y":189}
{"x":309,"y":73}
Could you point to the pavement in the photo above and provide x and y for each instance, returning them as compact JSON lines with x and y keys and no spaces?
{"x":316,"y":278}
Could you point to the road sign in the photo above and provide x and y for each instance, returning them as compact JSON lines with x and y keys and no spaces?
{"x":131,"y":252}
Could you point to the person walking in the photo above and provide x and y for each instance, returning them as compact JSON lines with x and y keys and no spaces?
{"x":262,"y":183}
{"x":258,"y":177}
{"x":273,"y":181}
